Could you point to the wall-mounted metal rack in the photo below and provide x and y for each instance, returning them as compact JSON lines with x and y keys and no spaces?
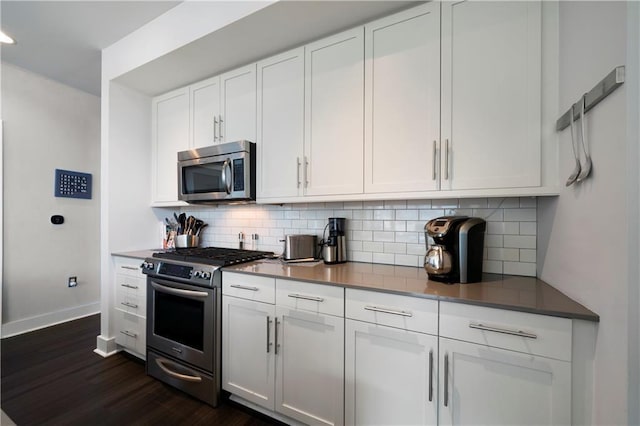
{"x":601,"y":90}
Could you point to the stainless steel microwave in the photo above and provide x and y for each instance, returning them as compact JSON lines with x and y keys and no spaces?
{"x":218,"y":173}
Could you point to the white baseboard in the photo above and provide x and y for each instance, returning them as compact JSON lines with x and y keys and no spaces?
{"x":26,"y":325}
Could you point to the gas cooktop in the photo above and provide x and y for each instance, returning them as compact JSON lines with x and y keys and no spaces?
{"x":216,"y":256}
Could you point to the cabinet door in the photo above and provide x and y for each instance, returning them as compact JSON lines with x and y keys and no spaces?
{"x":205,"y":112}
{"x":310,"y":367}
{"x":334,"y":114}
{"x":491,"y":94}
{"x":390,"y":376}
{"x":170,"y":134}
{"x":239,"y":104}
{"x":131,"y":332}
{"x":248,"y":365}
{"x":280,"y":124}
{"x":402,"y":101}
{"x":481,"y":385}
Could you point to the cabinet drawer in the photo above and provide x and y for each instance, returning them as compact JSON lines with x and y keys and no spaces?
{"x":131,"y":303}
{"x":130,"y":331}
{"x":323,"y":299}
{"x":251,"y":287}
{"x":409,"y":313}
{"x":128,"y":266}
{"x":516,"y":331}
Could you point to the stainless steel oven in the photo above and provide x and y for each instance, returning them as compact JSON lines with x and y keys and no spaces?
{"x":184,"y":314}
{"x":183,"y":326}
{"x":218,"y":173}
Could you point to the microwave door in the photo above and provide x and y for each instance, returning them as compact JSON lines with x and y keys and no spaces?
{"x":204,"y":179}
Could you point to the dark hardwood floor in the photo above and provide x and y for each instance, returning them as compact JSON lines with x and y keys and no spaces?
{"x":52,"y":376}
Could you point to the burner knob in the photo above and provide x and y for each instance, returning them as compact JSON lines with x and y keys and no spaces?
{"x":206,"y":275}
{"x":197,"y":274}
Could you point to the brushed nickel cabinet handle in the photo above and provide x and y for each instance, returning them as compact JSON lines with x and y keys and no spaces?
{"x":276,"y":336}
{"x":520,"y":333}
{"x":135,"y":287}
{"x":220,"y":137}
{"x":128,"y":333}
{"x":388,"y":311}
{"x":244,"y":287}
{"x":446,"y":380}
{"x":302,"y":296}
{"x":298,"y":171}
{"x":431,"y":375}
{"x":269,"y":333}
{"x":129,"y":305}
{"x":131,"y":268}
{"x":306,"y":172}
{"x":433,"y":161}
{"x":446,"y":160}
{"x":215,"y":128}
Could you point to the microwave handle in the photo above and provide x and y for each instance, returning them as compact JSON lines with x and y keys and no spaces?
{"x":226,"y":180}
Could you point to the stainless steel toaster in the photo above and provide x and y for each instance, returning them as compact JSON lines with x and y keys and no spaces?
{"x":299,"y":246}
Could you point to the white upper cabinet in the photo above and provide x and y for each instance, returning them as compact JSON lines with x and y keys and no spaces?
{"x":334,"y":114}
{"x":402,"y":101}
{"x":205,"y":112}
{"x":238,"y":118}
{"x":491,"y":95}
{"x":280,"y":125}
{"x":170,"y":134}
{"x":223,"y":108}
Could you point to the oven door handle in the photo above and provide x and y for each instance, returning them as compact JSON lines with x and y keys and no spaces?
{"x":185,"y":377}
{"x":179,"y":291}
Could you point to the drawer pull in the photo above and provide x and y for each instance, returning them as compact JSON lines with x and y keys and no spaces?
{"x":502,"y":330}
{"x":244,"y":287}
{"x":388,"y":311}
{"x":135,"y":287}
{"x":301,"y":296}
{"x":128,"y":333}
{"x":129,"y":305}
{"x":446,"y":380}
{"x":430,"y":375}
{"x":132,"y":268}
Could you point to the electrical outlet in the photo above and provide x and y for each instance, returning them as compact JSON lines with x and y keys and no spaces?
{"x":73,"y":281}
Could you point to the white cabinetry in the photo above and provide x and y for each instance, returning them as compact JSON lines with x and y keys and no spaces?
{"x":334,"y":114}
{"x":402,"y":101}
{"x":503,"y":368}
{"x":391,"y":356}
{"x":280,"y":125}
{"x":296,"y":355}
{"x":130,"y":306}
{"x":223,"y":108}
{"x":491,"y":95}
{"x":170,"y":134}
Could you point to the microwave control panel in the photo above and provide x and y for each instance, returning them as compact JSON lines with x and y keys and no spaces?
{"x":238,"y":174}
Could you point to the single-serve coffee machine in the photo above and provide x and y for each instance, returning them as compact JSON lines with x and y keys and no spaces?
{"x":457,"y":250}
{"x":334,"y":249}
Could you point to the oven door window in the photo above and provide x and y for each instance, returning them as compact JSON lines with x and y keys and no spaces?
{"x":179,"y":319}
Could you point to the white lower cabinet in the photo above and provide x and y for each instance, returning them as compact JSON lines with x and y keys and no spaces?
{"x":289,"y":357}
{"x":390,"y":376}
{"x":481,"y":385}
{"x":130,"y":317}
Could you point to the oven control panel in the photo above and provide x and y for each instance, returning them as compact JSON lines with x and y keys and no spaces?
{"x":185,"y":272}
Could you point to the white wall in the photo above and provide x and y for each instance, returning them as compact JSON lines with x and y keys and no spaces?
{"x":48,"y":125}
{"x":583,"y":235}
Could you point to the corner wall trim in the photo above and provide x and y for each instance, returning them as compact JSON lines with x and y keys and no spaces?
{"x":106,"y":346}
{"x":26,"y":325}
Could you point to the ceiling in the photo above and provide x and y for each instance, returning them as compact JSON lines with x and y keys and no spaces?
{"x":62,"y":40}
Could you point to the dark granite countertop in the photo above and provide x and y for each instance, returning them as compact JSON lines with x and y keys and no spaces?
{"x":525,"y":294}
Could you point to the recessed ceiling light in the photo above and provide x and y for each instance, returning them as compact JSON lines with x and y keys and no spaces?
{"x":5,"y":38}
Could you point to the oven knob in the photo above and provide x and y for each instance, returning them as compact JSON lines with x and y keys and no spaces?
{"x":206,"y":275}
{"x":197,"y":274}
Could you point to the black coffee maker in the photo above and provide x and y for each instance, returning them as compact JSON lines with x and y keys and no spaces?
{"x":334,"y":249}
{"x":457,"y":252}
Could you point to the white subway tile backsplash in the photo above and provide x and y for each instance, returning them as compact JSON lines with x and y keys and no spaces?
{"x":520,"y":241}
{"x":520,"y":215}
{"x":389,"y":232}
